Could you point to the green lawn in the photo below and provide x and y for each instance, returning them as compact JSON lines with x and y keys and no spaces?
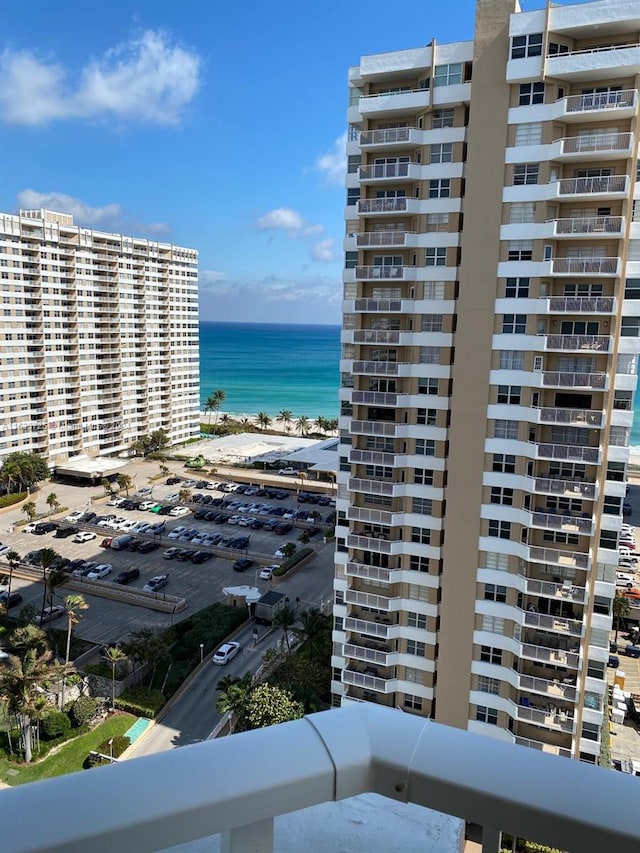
{"x":70,"y":757}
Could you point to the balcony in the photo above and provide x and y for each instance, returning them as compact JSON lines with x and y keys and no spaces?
{"x":554,"y":624}
{"x":371,"y":543}
{"x":388,"y":205}
{"x":372,"y":487}
{"x":610,"y":186}
{"x":391,"y":137}
{"x":577,"y":343}
{"x":370,"y":273}
{"x":555,"y":689}
{"x":372,"y":457}
{"x":386,"y":306}
{"x":376,"y":336}
{"x":570,"y":523}
{"x":374,"y":428}
{"x":368,"y":681}
{"x":374,"y":398}
{"x":547,"y":716}
{"x":596,"y":63}
{"x":557,"y":657}
{"x":576,"y":417}
{"x":378,"y":627}
{"x":595,"y":147}
{"x":386,"y":239}
{"x":375,"y":573}
{"x":376,"y":368}
{"x":567,"y":452}
{"x":594,"y":381}
{"x":552,"y":556}
{"x":394,"y":103}
{"x":563,"y":591}
{"x":598,"y":106}
{"x":371,"y":653}
{"x":565,"y":488}
{"x":580,"y":304}
{"x":585,"y":266}
{"x":589,"y":226}
{"x":543,"y":747}
{"x":378,"y":173}
{"x":367,"y":599}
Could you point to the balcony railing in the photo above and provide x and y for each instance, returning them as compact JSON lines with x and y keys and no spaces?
{"x":387,"y":368}
{"x":368,"y":599}
{"x":369,"y":272}
{"x":374,"y":398}
{"x":384,"y":170}
{"x":368,"y":627}
{"x":576,"y":343}
{"x":373,"y":428}
{"x":600,"y":101}
{"x":550,"y":521}
{"x":555,"y":624}
{"x":387,"y":306}
{"x":383,"y":238}
{"x":543,"y":747}
{"x":372,"y":457}
{"x":594,"y":144}
{"x":205,"y":789}
{"x":548,"y":717}
{"x":552,"y":556}
{"x":369,"y":543}
{"x":553,"y":689}
{"x":386,"y":136}
{"x":376,"y":336}
{"x":367,"y":681}
{"x":373,"y":487}
{"x":349,"y":650}
{"x":564,"y":591}
{"x":551,"y":379}
{"x":587,"y":186}
{"x":582,"y":417}
{"x":557,"y":657}
{"x":568,"y":452}
{"x":383,"y":205}
{"x":596,"y":225}
{"x":376,"y":573}
{"x":581,"y":304}
{"x":584,"y":266}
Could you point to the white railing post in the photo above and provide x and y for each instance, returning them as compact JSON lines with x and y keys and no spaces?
{"x":250,"y":838}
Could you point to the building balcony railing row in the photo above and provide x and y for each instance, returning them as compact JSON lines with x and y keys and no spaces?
{"x":580,"y":304}
{"x":555,"y":656}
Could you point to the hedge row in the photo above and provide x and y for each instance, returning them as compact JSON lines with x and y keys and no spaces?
{"x":141,"y":701}
{"x":10,"y":500}
{"x":292,"y":561}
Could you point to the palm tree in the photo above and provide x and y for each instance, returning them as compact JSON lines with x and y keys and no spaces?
{"x":285,"y":618}
{"x":45,"y":559}
{"x":233,"y":700}
{"x":25,"y":676}
{"x":209,"y":406}
{"x":225,"y":419}
{"x":52,"y":502}
{"x":303,"y":425}
{"x":320,"y":424}
{"x":124,"y":481}
{"x":621,"y":610}
{"x":29,"y":509}
{"x":114,"y":656}
{"x":164,"y":470}
{"x":315,"y":631}
{"x":107,"y":486}
{"x":13,"y":558}
{"x":214,"y":401}
{"x":72,"y":604}
{"x":285,"y":416}
{"x":263,"y":420}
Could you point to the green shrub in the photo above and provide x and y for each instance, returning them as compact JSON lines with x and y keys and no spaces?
{"x":82,"y":710}
{"x":10,"y":500}
{"x":293,"y":561}
{"x":112,"y":747}
{"x":55,"y":724}
{"x":141,"y":701}
{"x":104,"y":669}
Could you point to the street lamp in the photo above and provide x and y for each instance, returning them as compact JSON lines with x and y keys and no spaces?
{"x":201,"y":652}
{"x":111,"y":749}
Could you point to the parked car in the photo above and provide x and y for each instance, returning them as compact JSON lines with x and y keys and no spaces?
{"x":267,"y":573}
{"x":177,"y":532}
{"x":170,"y":553}
{"x":632,"y":651}
{"x":106,"y":542}
{"x":45,"y":527}
{"x":201,"y":556}
{"x":225,"y":653}
{"x":242,"y":565}
{"x":173,"y":481}
{"x":142,"y":493}
{"x":10,"y":601}
{"x":100,"y":571}
{"x":84,"y":536}
{"x":149,"y":545}
{"x":127,"y":576}
{"x":64,"y":532}
{"x":74,"y":516}
{"x":156,"y":583}
{"x":614,"y":661}
{"x":185,"y":554}
{"x":115,"y":501}
{"x":287,"y":472}
{"x":49,"y":614}
{"x":179,"y":511}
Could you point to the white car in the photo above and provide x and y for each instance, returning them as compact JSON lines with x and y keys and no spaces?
{"x":4,"y":549}
{"x":225,"y":653}
{"x":267,"y":573}
{"x":140,"y":527}
{"x":116,"y":523}
{"x":280,"y":552}
{"x":200,"y":539}
{"x":625,"y":579}
{"x":84,"y":536}
{"x":145,"y":505}
{"x":116,"y":501}
{"x":29,"y":528}
{"x":156,"y":583}
{"x":49,"y":614}
{"x":100,"y":571}
{"x":177,"y":532}
{"x":74,"y":516}
{"x":179,"y":511}
{"x":143,"y":493}
{"x":172,"y":497}
{"x":287,"y":472}
{"x":128,"y":526}
{"x":234,"y":519}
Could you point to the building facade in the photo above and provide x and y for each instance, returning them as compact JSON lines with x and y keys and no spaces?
{"x":489,"y":353}
{"x":99,"y":338}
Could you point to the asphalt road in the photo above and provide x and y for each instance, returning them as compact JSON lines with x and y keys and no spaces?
{"x":194,"y":716}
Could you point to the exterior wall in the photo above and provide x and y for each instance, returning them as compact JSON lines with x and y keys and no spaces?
{"x":100,"y":334}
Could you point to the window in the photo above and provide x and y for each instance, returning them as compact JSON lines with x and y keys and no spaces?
{"x":423,"y":477}
{"x":447,"y":75}
{"x":561,"y":538}
{"x":514,"y":324}
{"x":555,"y":49}
{"x":488,"y":654}
{"x":528,"y":134}
{"x":431,"y":323}
{"x":520,"y":250}
{"x":424,"y":506}
{"x":608,"y":539}
{"x":436,"y":257}
{"x":428,"y":386}
{"x":420,"y":535}
{"x":495,"y":593}
{"x":426,"y":417}
{"x":493,"y":624}
{"x":440,"y":188}
{"x":522,"y":211}
{"x":501,"y":495}
{"x":500,"y":529}
{"x":413,"y":702}
{"x":506,"y":429}
{"x":516,"y":288}
{"x":416,"y":676}
{"x":529,"y":45}
{"x":612,"y":505}
{"x":510,"y":394}
{"x":379,"y":472}
{"x":437,"y":222}
{"x":486,"y":715}
{"x":525,"y":173}
{"x":488,"y":685}
{"x":419,"y":564}
{"x":433,"y":289}
{"x":425,"y":447}
{"x":531,"y":93}
{"x":442,"y":153}
{"x":416,"y":620}
{"x":430,"y":355}
{"x":442,"y":118}
{"x":353,"y":195}
{"x":511,"y":360}
{"x":504,"y":463}
{"x":350,"y":260}
{"x":630,"y":327}
{"x":416,"y":648}
{"x":632,"y":288}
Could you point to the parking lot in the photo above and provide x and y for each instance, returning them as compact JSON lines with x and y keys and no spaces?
{"x":200,"y":584}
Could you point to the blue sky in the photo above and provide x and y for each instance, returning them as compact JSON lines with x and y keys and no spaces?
{"x":209,"y":124}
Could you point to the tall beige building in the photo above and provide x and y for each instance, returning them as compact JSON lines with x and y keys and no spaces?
{"x":489,"y":352}
{"x":99,"y":338}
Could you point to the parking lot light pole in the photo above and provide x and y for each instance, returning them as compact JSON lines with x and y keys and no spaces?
{"x":111,"y":749}
{"x":201,"y":652}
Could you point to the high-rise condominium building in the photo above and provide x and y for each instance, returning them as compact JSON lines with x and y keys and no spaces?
{"x":99,"y":338}
{"x":489,"y":349}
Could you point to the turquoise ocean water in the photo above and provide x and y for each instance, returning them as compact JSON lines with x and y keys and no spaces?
{"x":266,"y":368}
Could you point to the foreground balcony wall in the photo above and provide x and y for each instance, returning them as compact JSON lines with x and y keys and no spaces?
{"x":239,"y":784}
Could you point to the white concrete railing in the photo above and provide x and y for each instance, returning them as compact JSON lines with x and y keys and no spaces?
{"x":239,"y":784}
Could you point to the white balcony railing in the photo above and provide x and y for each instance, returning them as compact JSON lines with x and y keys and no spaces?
{"x":606,"y":142}
{"x":581,"y":304}
{"x":386,"y":136}
{"x":551,"y":379}
{"x":370,"y":272}
{"x":205,"y":789}
{"x":600,"y":101}
{"x":555,"y":557}
{"x":596,"y":225}
{"x":382,"y":205}
{"x":383,"y":238}
{"x":387,"y":306}
{"x":575,"y":343}
{"x":587,"y":186}
{"x":583,"y":417}
{"x":584,"y":266}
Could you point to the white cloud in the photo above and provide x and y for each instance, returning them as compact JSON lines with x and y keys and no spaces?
{"x":110,"y":217}
{"x":147,"y":79}
{"x":323,"y":250}
{"x":322,"y":290}
{"x":207,"y":278}
{"x":281,"y":219}
{"x":334,"y":163}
